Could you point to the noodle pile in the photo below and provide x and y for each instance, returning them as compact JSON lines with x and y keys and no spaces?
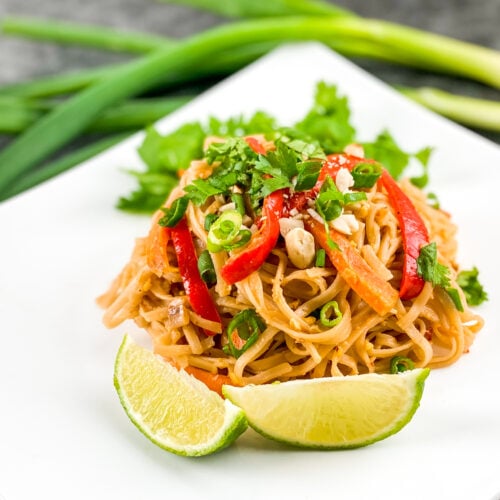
{"x":428,"y":329}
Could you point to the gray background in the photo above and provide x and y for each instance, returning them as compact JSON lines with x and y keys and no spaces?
{"x":476,"y":21}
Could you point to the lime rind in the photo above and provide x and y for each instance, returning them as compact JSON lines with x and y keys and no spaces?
{"x":234,"y":421}
{"x":415,"y":381}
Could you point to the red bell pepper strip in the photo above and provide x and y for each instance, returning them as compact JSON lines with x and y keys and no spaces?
{"x":255,"y":145}
{"x":196,"y":289}
{"x":376,"y":292}
{"x":413,"y":233}
{"x":241,"y":265}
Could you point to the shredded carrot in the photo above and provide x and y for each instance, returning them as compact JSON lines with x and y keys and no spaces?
{"x":376,"y":292}
{"x":156,"y":246}
{"x":213,"y":381}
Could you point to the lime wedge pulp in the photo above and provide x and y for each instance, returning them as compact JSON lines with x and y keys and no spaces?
{"x":173,"y":409}
{"x":332,"y":413}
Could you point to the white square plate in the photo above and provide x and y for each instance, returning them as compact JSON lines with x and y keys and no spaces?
{"x":63,"y":434}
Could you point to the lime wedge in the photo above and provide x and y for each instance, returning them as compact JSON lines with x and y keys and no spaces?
{"x":173,"y":409}
{"x":332,"y":413}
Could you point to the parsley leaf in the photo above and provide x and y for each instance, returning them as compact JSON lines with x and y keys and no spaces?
{"x":474,"y":292}
{"x":430,"y":269}
{"x":328,"y":120}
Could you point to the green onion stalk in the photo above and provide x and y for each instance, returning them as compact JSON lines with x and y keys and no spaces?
{"x":132,"y":115}
{"x":470,"y":111}
{"x":68,"y":120}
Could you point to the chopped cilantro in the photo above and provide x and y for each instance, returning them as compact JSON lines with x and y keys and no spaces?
{"x":430,"y":269}
{"x":474,"y":292}
{"x":385,"y":150}
{"x":326,"y":128}
{"x":328,"y":120}
{"x":330,"y":201}
{"x":308,"y":173}
{"x":259,"y":123}
{"x":423,"y":156}
{"x":174,"y":151}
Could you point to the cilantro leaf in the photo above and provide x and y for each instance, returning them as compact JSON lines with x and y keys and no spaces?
{"x":430,"y":269}
{"x":201,"y":189}
{"x":259,"y":123}
{"x":174,"y":151}
{"x":423,"y":156}
{"x":385,"y":150}
{"x":328,"y":120}
{"x":152,"y":191}
{"x":474,"y":292}
{"x":330,"y":201}
{"x":308,"y":173}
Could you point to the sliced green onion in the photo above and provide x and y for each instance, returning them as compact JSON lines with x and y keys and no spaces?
{"x":206,"y":268}
{"x":365,"y":175}
{"x":239,"y":202}
{"x":226,"y":232}
{"x":401,"y":364}
{"x":244,"y":329}
{"x":455,"y":297}
{"x":324,"y":315}
{"x":209,"y":220}
{"x":174,"y":213}
{"x":320,"y":258}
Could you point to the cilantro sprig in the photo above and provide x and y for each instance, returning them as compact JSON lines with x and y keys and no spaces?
{"x":438,"y":274}
{"x":326,"y":128}
{"x":468,"y":281}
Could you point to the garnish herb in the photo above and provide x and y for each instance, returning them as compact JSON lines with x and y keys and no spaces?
{"x":308,"y":173}
{"x":242,"y":332}
{"x":474,"y":292}
{"x":330,"y":201}
{"x":174,"y":213}
{"x":401,"y":364}
{"x":330,"y":315}
{"x":432,"y":200}
{"x":328,"y":122}
{"x":385,"y":150}
{"x":206,"y":268}
{"x":430,"y":269}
